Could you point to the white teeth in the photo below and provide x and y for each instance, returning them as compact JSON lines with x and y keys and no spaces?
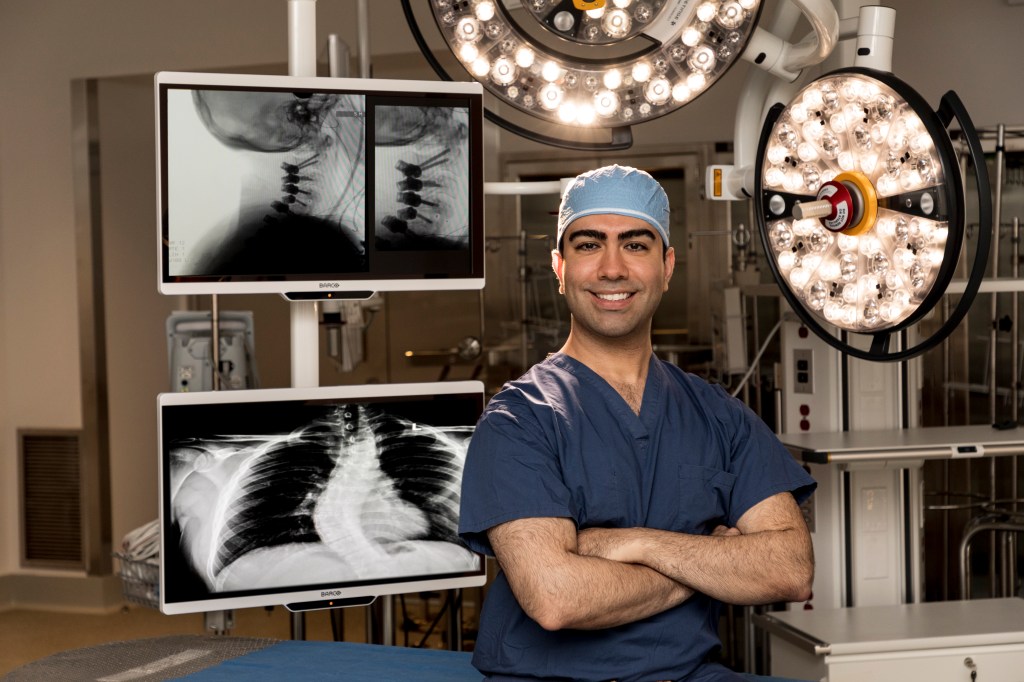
{"x":613,"y":297}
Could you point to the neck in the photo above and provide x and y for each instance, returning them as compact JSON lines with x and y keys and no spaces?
{"x":623,"y":363}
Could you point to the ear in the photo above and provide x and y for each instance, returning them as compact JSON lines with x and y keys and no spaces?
{"x":558,"y":265}
{"x":670,"y":265}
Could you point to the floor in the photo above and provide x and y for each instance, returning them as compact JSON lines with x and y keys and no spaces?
{"x":27,"y":636}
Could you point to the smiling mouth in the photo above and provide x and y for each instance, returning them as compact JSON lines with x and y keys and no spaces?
{"x":613,"y":297}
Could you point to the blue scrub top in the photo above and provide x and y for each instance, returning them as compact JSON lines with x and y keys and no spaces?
{"x":561,"y":442}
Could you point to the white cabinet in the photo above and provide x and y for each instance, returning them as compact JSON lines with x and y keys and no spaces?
{"x":932,"y":642}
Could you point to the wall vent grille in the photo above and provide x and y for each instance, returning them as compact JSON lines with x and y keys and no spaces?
{"x":51,"y":499}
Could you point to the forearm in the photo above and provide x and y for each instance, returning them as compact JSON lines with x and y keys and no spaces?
{"x":766,"y":558}
{"x":758,"y":568}
{"x":559,"y":588}
{"x":589,"y":593}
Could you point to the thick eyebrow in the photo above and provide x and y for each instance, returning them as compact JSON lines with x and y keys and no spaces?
{"x":624,"y":236}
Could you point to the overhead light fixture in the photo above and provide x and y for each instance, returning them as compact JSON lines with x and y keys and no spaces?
{"x":861,"y":208}
{"x":600,"y":64}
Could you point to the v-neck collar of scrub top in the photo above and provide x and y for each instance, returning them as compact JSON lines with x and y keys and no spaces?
{"x":640,"y":425}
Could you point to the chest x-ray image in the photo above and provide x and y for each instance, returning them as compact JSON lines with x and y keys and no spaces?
{"x":267,"y":183}
{"x":352,"y":492}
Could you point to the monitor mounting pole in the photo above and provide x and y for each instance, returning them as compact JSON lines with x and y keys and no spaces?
{"x":305,"y":316}
{"x":305,"y":331}
{"x":305,"y":334}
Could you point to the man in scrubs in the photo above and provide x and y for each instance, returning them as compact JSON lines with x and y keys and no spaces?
{"x":624,"y":499}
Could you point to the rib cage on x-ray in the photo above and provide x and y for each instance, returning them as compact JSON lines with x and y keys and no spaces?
{"x":371,"y":488}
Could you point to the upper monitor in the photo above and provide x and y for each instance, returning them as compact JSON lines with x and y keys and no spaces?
{"x":318,"y":187}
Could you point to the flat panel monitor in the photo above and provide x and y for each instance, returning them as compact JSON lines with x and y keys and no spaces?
{"x":315,"y":187}
{"x":313,"y":498}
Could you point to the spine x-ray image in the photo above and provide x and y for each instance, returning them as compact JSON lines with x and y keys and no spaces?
{"x":352,"y":493}
{"x":264,"y":183}
{"x":422,"y":185}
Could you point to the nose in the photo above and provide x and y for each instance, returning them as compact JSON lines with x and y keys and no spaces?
{"x":612,"y":265}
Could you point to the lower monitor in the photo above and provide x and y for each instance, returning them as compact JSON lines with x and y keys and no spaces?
{"x":313,"y":497}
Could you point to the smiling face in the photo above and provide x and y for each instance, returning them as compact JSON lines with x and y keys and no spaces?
{"x":613,"y":271}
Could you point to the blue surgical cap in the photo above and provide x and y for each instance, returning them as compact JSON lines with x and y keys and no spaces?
{"x":616,"y":189}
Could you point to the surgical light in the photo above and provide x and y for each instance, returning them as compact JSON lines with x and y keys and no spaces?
{"x":572,"y":64}
{"x":861,"y":208}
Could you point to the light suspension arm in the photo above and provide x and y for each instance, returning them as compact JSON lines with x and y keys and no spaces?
{"x":786,"y":60}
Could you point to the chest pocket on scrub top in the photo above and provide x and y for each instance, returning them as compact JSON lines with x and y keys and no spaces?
{"x":704,"y":498}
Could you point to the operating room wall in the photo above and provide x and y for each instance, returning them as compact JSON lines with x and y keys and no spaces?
{"x":46,"y":44}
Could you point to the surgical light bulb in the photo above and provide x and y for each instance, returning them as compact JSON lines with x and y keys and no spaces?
{"x":585,"y":114}
{"x":731,"y":14}
{"x":484,"y":10}
{"x":813,"y":99}
{"x":818,"y":295}
{"x":606,"y":103}
{"x":612,"y":79}
{"x":887,"y":185}
{"x":616,"y":23}
{"x":525,"y":57}
{"x":830,"y":144}
{"x":468,"y":30}
{"x":468,"y":52}
{"x":567,"y":112}
{"x":848,"y":242}
{"x":680,"y":92}
{"x":696,"y":81}
{"x":641,"y":72}
{"x":658,"y":90}
{"x":702,"y":59}
{"x":798,"y":112}
{"x":813,"y":130}
{"x":481,"y":67}
{"x":550,"y":96}
{"x":503,"y":71}
{"x":868,"y":162}
{"x":777,"y":154}
{"x":691,"y":37}
{"x":706,"y":12}
{"x":919,"y":144}
{"x":550,"y":71}
{"x":799,"y":277}
{"x":595,"y":13}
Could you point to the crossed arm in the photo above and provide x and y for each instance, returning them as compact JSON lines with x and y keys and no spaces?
{"x":602,"y":577}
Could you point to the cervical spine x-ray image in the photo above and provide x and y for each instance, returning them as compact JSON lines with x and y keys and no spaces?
{"x":354,"y":492}
{"x":273,"y":183}
{"x":422,"y":188}
{"x":265,"y":183}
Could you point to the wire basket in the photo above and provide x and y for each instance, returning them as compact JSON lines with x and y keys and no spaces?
{"x":140,"y":580}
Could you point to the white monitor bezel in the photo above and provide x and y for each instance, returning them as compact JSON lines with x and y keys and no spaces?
{"x":297,"y":288}
{"x":316,"y":598}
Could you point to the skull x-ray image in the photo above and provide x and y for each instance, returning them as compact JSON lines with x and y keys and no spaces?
{"x":313,"y":494}
{"x":265,"y":183}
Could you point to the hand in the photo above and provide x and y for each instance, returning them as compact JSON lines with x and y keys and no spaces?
{"x":724,"y":531}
